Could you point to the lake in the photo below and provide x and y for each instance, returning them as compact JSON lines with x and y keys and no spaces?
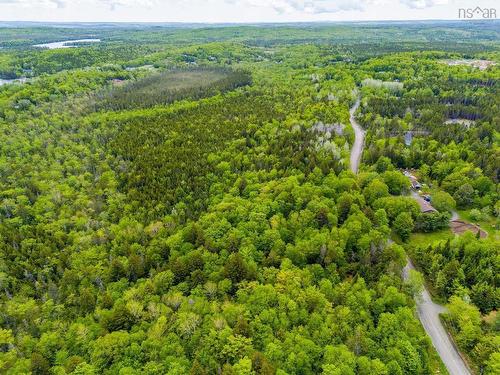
{"x":66,"y":43}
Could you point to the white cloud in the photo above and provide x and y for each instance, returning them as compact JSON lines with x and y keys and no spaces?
{"x":330,"y":6}
{"x":304,"y":6}
{"x":223,"y":10}
{"x":113,"y":4}
{"x":422,"y":4}
{"x":35,"y":3}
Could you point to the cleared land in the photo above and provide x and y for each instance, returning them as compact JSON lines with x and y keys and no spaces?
{"x":459,"y":227}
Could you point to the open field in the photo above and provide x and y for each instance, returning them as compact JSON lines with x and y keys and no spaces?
{"x":426,"y":239}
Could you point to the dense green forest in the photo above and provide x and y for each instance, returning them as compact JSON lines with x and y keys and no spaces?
{"x":179,"y":200}
{"x":164,"y":88}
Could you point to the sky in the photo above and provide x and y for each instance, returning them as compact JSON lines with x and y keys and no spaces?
{"x":238,"y":11}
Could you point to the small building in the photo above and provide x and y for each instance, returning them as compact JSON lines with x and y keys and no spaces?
{"x":425,"y":207}
{"x":414,"y":182}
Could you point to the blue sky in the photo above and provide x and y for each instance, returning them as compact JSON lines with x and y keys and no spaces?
{"x":232,"y":10}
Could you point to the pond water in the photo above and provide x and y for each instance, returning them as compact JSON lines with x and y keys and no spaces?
{"x":66,"y":43}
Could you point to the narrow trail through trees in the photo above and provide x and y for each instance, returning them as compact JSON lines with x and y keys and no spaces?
{"x":427,"y":311}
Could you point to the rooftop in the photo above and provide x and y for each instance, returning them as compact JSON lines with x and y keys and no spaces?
{"x":425,"y":206}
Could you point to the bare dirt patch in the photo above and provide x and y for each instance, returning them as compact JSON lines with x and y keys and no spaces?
{"x":459,"y":227}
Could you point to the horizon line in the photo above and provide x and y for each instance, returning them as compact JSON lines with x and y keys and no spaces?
{"x":255,"y":22}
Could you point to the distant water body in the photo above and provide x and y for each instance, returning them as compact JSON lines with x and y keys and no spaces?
{"x":66,"y":43}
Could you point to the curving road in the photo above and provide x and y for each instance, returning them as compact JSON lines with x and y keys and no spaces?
{"x":359,"y":140}
{"x":427,"y":311}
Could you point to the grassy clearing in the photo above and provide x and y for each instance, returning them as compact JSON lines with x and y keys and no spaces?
{"x":426,"y":239}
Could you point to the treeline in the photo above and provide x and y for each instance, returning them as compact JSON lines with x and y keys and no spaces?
{"x":52,"y":90}
{"x":464,"y":265}
{"x":461,"y":269}
{"x":38,"y":61}
{"x":167,"y":87}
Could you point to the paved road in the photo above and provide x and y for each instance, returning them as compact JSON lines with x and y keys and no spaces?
{"x":427,"y":311}
{"x":359,"y":140}
{"x":415,"y":195}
